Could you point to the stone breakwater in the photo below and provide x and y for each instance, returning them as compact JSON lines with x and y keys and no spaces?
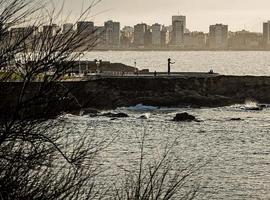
{"x":172,"y":91}
{"x":112,"y":92}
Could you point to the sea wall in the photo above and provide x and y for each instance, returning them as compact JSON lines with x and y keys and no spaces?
{"x":112,"y":92}
{"x":171,"y":91}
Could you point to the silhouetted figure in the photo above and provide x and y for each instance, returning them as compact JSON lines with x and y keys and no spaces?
{"x":100,"y":66}
{"x":137,"y":72}
{"x":169,"y":66}
{"x":155,"y":73}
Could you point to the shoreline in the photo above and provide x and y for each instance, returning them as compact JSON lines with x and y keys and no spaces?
{"x":108,"y":93}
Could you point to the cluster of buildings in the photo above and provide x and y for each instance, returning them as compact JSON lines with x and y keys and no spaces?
{"x":177,"y":36}
{"x":157,"y":36}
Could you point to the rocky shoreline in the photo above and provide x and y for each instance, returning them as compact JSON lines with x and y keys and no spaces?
{"x":112,"y":92}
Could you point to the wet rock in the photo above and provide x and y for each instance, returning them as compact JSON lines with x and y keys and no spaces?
{"x":115,"y":115}
{"x":143,"y":117}
{"x":184,"y":117}
{"x":264,"y":105}
{"x":106,"y":114}
{"x":73,"y":112}
{"x":90,"y":111}
{"x":254,"y":108}
{"x":120,"y":115}
{"x":235,"y":119}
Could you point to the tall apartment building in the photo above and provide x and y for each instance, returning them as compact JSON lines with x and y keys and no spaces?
{"x":195,"y":40}
{"x":85,"y":27}
{"x":244,"y":40}
{"x":218,"y":36}
{"x":50,"y":30}
{"x":156,"y":35}
{"x":266,"y":34}
{"x":100,"y":37}
{"x":180,"y":18}
{"x":178,"y":29}
{"x":148,"y":37}
{"x":164,"y":36}
{"x":67,"y":28}
{"x":127,"y":35}
{"x":23,"y":32}
{"x":112,"y":32}
{"x":128,"y":32}
{"x":139,"y":34}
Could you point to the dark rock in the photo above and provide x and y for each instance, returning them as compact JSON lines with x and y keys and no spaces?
{"x":254,"y":108}
{"x":120,"y":115}
{"x":115,"y":115}
{"x":73,"y":112}
{"x":263,"y":106}
{"x":89,"y":111}
{"x":235,"y":119}
{"x":184,"y":117}
{"x":106,"y":114}
{"x":143,"y":117}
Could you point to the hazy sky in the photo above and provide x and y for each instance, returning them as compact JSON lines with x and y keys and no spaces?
{"x":238,"y":14}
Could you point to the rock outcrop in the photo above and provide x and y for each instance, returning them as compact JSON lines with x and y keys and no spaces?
{"x":184,"y":117}
{"x":115,"y":115}
{"x":235,"y":119}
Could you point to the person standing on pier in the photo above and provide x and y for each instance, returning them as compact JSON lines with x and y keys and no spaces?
{"x":169,"y":65}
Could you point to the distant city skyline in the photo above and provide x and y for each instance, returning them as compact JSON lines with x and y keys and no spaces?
{"x":238,"y":14}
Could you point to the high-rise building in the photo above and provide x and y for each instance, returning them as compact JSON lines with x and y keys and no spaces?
{"x":180,"y":18}
{"x":100,"y":37}
{"x":112,"y":32}
{"x":67,"y":28}
{"x":127,"y":35}
{"x":148,"y":37}
{"x":51,"y":30}
{"x":178,"y":29}
{"x":128,"y":32}
{"x":244,"y":40}
{"x":139,"y":34}
{"x":218,"y":36}
{"x":23,"y":32}
{"x":85,"y":27}
{"x":266,"y":34}
{"x":156,"y":34}
{"x":195,"y":40}
{"x":164,"y":32}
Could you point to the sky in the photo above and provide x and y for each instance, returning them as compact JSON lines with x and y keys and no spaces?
{"x":238,"y":14}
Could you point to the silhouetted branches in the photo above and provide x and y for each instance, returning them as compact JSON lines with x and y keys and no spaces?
{"x":40,"y":158}
{"x":158,"y":179}
{"x":37,"y":160}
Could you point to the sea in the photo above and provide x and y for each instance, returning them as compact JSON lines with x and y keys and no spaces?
{"x":224,"y":62}
{"x":234,"y":154}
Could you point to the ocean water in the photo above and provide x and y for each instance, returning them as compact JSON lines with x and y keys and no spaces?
{"x":236,"y":153}
{"x":228,"y":63}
